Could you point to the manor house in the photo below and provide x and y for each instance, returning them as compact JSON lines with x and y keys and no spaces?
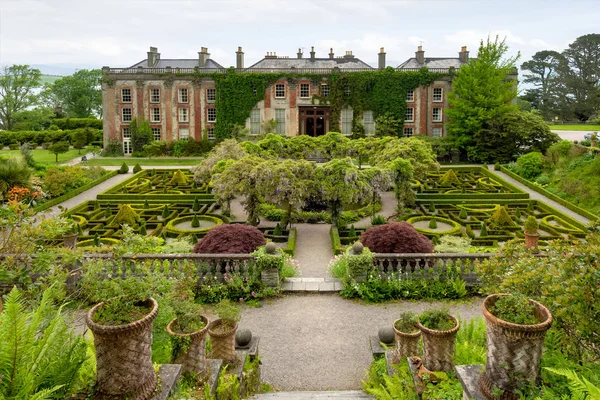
{"x":179,"y":104}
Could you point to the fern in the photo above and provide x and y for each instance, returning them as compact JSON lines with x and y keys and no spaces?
{"x":39,"y":356}
{"x":579,"y":386}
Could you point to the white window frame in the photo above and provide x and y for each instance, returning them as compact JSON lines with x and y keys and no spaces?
{"x":280,"y":88}
{"x":347,"y":115}
{"x":211,"y":95}
{"x":410,"y":95}
{"x":325,"y":89}
{"x":210,"y":133}
{"x":127,"y":147}
{"x":436,"y":116}
{"x":438,"y":129}
{"x":412,"y":114}
{"x":211,"y":116}
{"x":124,"y":96}
{"x":408,"y":131}
{"x":438,"y":97}
{"x":126,"y":133}
{"x":126,"y":117}
{"x":280,"y":129}
{"x":368,"y":122}
{"x":305,"y":90}
{"x":186,"y":132}
{"x":255,"y":122}
{"x":154,"y":95}
{"x":183,"y":114}
{"x":346,"y":90}
{"x":155,"y":114}
{"x":156,"y":135}
{"x":183,"y":95}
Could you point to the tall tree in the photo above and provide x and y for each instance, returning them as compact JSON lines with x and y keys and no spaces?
{"x":543,"y":72}
{"x":483,"y":88}
{"x":141,"y":133}
{"x":79,"y":95}
{"x":17,"y":92}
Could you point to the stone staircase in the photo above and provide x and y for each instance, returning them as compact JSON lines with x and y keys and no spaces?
{"x":339,"y":395}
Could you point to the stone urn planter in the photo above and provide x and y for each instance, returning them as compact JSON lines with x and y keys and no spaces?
{"x":438,"y":347}
{"x":514,"y":351}
{"x":124,"y":356}
{"x":193,"y":357}
{"x":70,"y":240}
{"x":222,"y":341}
{"x":407,"y":344}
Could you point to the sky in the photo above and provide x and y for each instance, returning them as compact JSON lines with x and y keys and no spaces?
{"x":62,"y":35}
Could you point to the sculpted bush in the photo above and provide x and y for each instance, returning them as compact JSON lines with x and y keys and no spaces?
{"x":396,"y":237}
{"x":233,"y":238}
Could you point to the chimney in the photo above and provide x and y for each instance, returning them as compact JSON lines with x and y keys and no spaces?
{"x":331,"y":52}
{"x":239,"y":59}
{"x":312,"y":53}
{"x":348,"y":55}
{"x":463,"y":55}
{"x":420,"y":55}
{"x":381,"y":64}
{"x":203,"y":56}
{"x":271,"y":54}
{"x":153,"y":57}
{"x":299,"y":53}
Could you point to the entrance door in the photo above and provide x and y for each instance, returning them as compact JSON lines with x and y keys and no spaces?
{"x":314,"y":121}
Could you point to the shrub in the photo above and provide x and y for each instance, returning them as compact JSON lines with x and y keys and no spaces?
{"x":124,"y":169}
{"x":13,"y":172}
{"x":60,"y":180}
{"x":229,"y":312}
{"x":13,"y":146}
{"x":406,"y":322}
{"x":453,"y":244}
{"x":378,"y":220}
{"x":396,"y":237}
{"x":530,"y":165}
{"x":433,"y":223}
{"x":114,"y":148}
{"x":516,"y":309}
{"x":531,"y":225}
{"x":501,"y":217}
{"x":449,"y":178}
{"x":359,"y":264}
{"x":437,"y":319}
{"x":230,"y":238}
{"x":266,"y":261}
{"x":126,"y":215}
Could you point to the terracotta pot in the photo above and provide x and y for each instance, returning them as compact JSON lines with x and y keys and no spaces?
{"x":222,"y":344}
{"x":531,"y":240}
{"x":438,"y":347}
{"x":407,"y":344}
{"x":194,"y":358}
{"x":514,"y":351}
{"x":124,"y":366}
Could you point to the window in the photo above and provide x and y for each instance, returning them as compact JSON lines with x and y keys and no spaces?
{"x":280,"y":117}
{"x":183,"y":95}
{"x":126,"y":95}
{"x":210,"y":133}
{"x":410,"y":95}
{"x":184,"y":115}
{"x":279,"y":91}
{"x":211,"y":115}
{"x":325,"y":90}
{"x":211,"y":95}
{"x":126,"y":114}
{"x":304,"y":90}
{"x":368,"y":122}
{"x":155,"y":115}
{"x":436,"y":114}
{"x":437,"y":94}
{"x":127,"y":147}
{"x":408,"y":132}
{"x":347,"y":90}
{"x":126,"y":133}
{"x":255,"y":122}
{"x":410,"y":115}
{"x":156,"y":134}
{"x":155,"y":95}
{"x":184,"y":133}
{"x":436,"y":132}
{"x":254,"y":91}
{"x":347,"y":121}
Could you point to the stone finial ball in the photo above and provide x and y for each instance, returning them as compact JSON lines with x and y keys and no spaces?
{"x":387,"y":335}
{"x":243,"y":337}
{"x":271,"y":247}
{"x":357,"y":247}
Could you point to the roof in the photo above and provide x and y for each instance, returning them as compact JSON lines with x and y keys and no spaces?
{"x":431,"y":62}
{"x":286,"y":63}
{"x":179,"y":63}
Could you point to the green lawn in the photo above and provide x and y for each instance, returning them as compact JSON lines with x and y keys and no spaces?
{"x":105,"y":161}
{"x":45,"y":157}
{"x":575,"y":127}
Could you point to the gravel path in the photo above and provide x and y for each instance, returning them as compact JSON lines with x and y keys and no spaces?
{"x":388,"y":208}
{"x":321,"y":342}
{"x":313,"y":250}
{"x":537,"y":196}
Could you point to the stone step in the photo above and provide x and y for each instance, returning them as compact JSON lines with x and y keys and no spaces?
{"x":322,"y":285}
{"x":339,"y":395}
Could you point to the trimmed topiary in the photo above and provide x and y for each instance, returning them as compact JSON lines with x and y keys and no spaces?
{"x":143,"y":229}
{"x":431,"y":208}
{"x":501,"y":217}
{"x":531,"y":225}
{"x":469,"y":232}
{"x":463,"y":214}
{"x":230,"y":238}
{"x":166,"y":212}
{"x":107,"y":212}
{"x":517,"y":213}
{"x":196,"y":206}
{"x":449,"y":179}
{"x":126,"y":215}
{"x":396,"y":237}
{"x":137,"y":168}
{"x":483,"y":231}
{"x":352,"y":231}
{"x":124,"y":169}
{"x":179,"y":178}
{"x":146,"y":204}
{"x":277,"y":231}
{"x":195,"y":222}
{"x":96,"y":240}
{"x":432,"y":223}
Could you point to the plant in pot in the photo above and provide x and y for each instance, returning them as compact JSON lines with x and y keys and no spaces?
{"x":530,"y":230}
{"x":71,"y":229}
{"x":269,"y":262}
{"x":122,"y":328}
{"x":222,"y":332}
{"x":516,"y":327}
{"x":439,"y":329}
{"x":188,"y":330}
{"x":407,"y":336}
